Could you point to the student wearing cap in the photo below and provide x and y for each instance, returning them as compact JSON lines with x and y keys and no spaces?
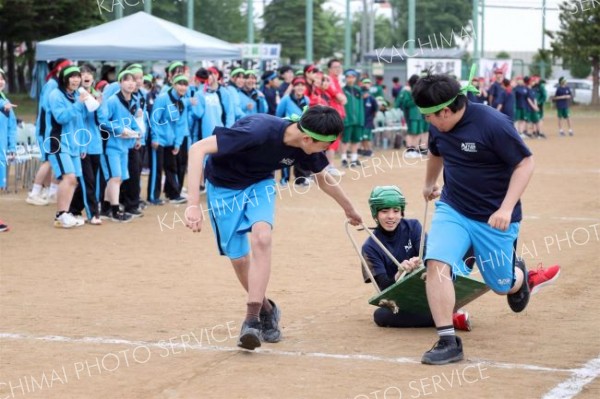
{"x":44,"y":174}
{"x":237,"y":80}
{"x":270,"y":88}
{"x":310,"y":72}
{"x":563,"y":96}
{"x":396,"y":87}
{"x":63,"y":144}
{"x":371,"y":107}
{"x":252,"y":100}
{"x":354,"y":121}
{"x":377,"y":89}
{"x":337,"y":101}
{"x":532,"y":109}
{"x":402,"y":238}
{"x":541,"y":98}
{"x":319,"y":95}
{"x":240,"y":168}
{"x":8,"y":130}
{"x":169,"y":129}
{"x":85,"y":196}
{"x":507,"y":100}
{"x":118,"y":133}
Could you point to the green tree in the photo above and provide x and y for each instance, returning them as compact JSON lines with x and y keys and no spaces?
{"x":285,"y":23}
{"x":580,"y":69}
{"x":433,"y":18}
{"x":579,"y":38}
{"x":503,"y":55}
{"x":541,"y":57}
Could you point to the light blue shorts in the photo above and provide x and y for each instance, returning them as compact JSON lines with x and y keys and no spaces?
{"x":115,"y":164}
{"x":233,"y":213}
{"x":64,"y":164}
{"x":451,"y":234}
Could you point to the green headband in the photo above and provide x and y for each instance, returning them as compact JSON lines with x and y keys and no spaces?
{"x":135,"y":66}
{"x":237,"y":71}
{"x":179,"y":78}
{"x":463,"y":92}
{"x":250,"y":72}
{"x":174,"y":65}
{"x":123,"y":73}
{"x":136,"y":70}
{"x":317,"y":136}
{"x":70,"y":70}
{"x":148,"y":78}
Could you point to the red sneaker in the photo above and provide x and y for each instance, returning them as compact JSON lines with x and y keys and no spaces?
{"x":542,"y":277}
{"x":461,"y":320}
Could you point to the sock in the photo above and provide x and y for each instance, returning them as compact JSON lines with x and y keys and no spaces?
{"x":446,"y":333}
{"x":53,"y":189}
{"x":36,"y":189}
{"x":115,"y":209}
{"x":252,"y":311}
{"x":59,"y":213}
{"x":266,"y":306}
{"x":344,"y":156}
{"x":105,"y":206}
{"x":354,"y":157}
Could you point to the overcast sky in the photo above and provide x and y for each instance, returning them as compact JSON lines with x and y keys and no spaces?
{"x":505,"y":29}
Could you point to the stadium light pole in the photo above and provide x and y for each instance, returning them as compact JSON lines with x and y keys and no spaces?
{"x":190,"y":14}
{"x":250,"y":22}
{"x":543,"y":63}
{"x":482,"y":28}
{"x":411,"y":25}
{"x":148,"y":7}
{"x":309,"y":31}
{"x":347,"y":34}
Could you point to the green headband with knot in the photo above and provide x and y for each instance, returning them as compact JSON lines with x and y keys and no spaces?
{"x":463,"y":92}
{"x":317,"y":136}
{"x":385,"y":197}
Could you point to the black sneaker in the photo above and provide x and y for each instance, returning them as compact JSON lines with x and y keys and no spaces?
{"x":178,"y":200}
{"x":143,"y":205}
{"x":269,"y":325}
{"x":250,"y":335}
{"x":121,"y":217}
{"x":344,"y":163}
{"x":444,"y":352}
{"x":105,"y":214}
{"x":156,"y":202}
{"x":519,"y":300}
{"x":354,"y":164}
{"x":135,"y":213}
{"x":541,"y":136}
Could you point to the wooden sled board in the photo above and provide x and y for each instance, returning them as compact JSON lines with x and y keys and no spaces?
{"x":409,"y":295}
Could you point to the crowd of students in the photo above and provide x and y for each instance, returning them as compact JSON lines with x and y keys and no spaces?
{"x":93,"y":156}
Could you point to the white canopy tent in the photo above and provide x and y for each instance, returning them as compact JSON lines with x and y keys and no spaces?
{"x":137,"y":37}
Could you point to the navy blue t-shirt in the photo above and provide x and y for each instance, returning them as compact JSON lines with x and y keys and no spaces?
{"x":494,"y":91}
{"x":371,"y":108}
{"x":479,"y":156}
{"x":252,"y":149}
{"x":521,"y":96}
{"x":403,"y":243}
{"x":531,"y":94}
{"x":562,"y":91}
{"x":508,"y":104}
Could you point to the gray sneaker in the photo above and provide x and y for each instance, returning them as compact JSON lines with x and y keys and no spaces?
{"x":250,"y":335}
{"x":519,"y":300}
{"x":444,"y":352}
{"x":269,"y":328}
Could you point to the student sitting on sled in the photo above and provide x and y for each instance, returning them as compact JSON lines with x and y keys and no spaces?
{"x":402,"y":238}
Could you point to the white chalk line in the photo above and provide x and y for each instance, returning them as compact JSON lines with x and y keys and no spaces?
{"x":213,"y":348}
{"x":574,"y":384}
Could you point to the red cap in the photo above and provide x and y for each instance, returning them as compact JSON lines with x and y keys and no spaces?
{"x":297,"y":80}
{"x":498,"y":70}
{"x":100,"y":85}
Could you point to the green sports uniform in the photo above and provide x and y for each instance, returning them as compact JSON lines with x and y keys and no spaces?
{"x":542,"y":97}
{"x":414,"y":120}
{"x":355,"y":115}
{"x":562,"y":113}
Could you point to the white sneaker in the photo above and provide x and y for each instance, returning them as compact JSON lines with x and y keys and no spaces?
{"x":52,"y":198}
{"x":36,"y":199}
{"x":65,"y":221}
{"x":333,"y":171}
{"x":79,"y":219}
{"x":44,"y":193}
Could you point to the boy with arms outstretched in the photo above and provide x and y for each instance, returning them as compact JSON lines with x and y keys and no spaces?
{"x":239,"y":173}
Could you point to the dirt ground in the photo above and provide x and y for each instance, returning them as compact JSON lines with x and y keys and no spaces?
{"x":149,"y":310}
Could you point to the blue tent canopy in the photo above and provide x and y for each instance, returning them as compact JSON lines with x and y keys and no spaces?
{"x":140,"y":36}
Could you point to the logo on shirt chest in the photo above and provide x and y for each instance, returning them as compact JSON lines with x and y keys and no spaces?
{"x":287,"y":161}
{"x":468,"y":147}
{"x":408,"y":246}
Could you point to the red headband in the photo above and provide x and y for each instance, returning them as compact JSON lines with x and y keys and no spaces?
{"x":57,"y":68}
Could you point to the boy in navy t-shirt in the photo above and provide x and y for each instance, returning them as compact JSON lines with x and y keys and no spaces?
{"x":520,"y":107}
{"x":241,"y":196}
{"x":486,"y":170}
{"x":402,"y":237}
{"x":562,"y":97}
